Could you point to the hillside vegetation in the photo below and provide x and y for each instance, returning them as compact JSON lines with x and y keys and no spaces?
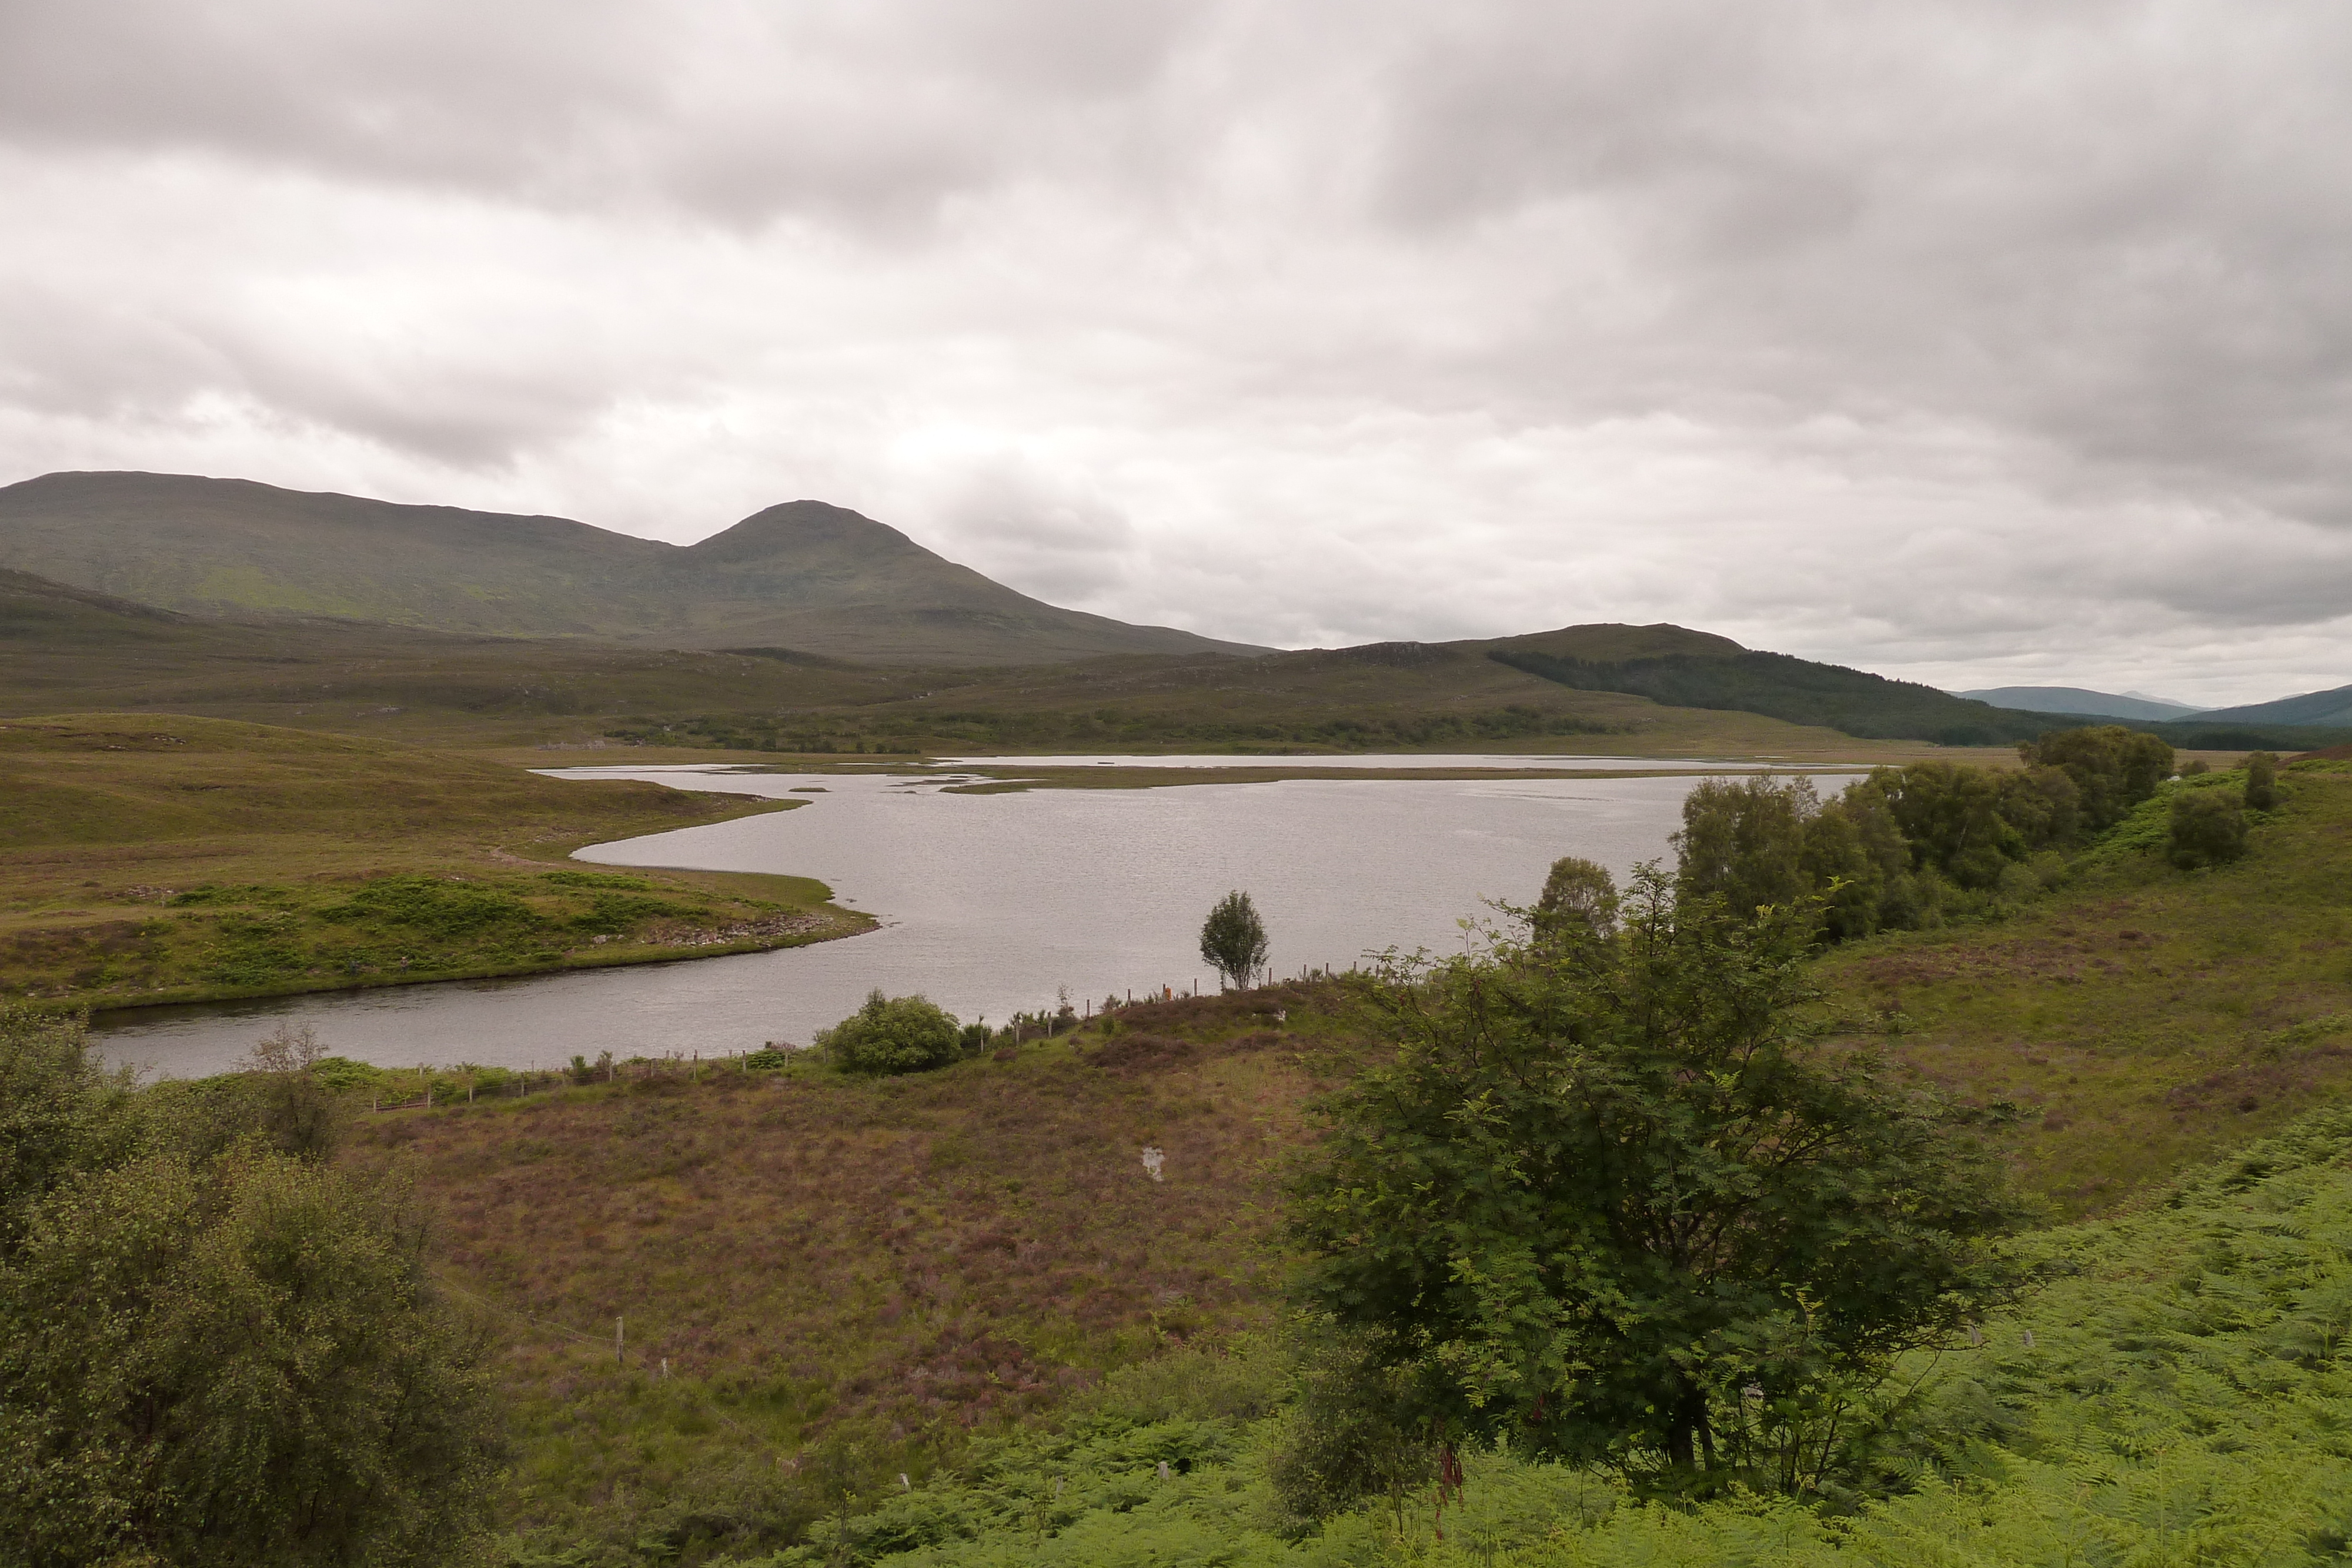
{"x":168,"y":859}
{"x":2332,"y":708}
{"x":65,"y":650}
{"x":1382,"y":696}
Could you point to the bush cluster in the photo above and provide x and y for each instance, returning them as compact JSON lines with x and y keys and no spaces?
{"x":1918,"y":846}
{"x":892,"y":1034}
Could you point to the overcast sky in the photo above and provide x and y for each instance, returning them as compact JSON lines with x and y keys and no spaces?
{"x":1982,"y":343}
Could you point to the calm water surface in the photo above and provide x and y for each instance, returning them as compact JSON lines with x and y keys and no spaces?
{"x":990,"y":903}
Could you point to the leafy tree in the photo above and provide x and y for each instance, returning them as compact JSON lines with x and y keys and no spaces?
{"x":1951,"y":816}
{"x":1858,"y":863}
{"x":1233,"y":940}
{"x":1579,"y":899}
{"x":2043,"y":804}
{"x":1743,"y":840}
{"x":227,"y":1359}
{"x":59,"y":1114}
{"x":2208,"y":827}
{"x":1342,"y":1436}
{"x":1603,"y":1191}
{"x":274,"y":1096}
{"x":2114,"y":768}
{"x":2262,"y":780}
{"x":892,"y":1034}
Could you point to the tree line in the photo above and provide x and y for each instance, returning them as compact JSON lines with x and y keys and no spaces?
{"x":1920,"y":845}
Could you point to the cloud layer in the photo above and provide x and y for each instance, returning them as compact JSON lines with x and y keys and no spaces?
{"x":1981,"y":343}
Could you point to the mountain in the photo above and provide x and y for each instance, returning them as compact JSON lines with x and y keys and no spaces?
{"x":803,"y":575}
{"x":2328,"y":707}
{"x":2076,"y":699}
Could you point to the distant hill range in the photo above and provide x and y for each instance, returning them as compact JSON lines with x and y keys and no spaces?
{"x":2329,"y":707}
{"x":803,"y":575}
{"x":162,"y":573}
{"x":2076,"y":699}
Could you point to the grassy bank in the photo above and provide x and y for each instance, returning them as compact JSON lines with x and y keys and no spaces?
{"x":163,"y":859}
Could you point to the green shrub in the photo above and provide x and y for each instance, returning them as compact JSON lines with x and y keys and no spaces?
{"x":218,"y":1353}
{"x":2208,"y":827}
{"x":436,"y":907}
{"x":1507,"y":1214}
{"x":610,"y":914}
{"x":2261,"y":781}
{"x":891,"y":1034}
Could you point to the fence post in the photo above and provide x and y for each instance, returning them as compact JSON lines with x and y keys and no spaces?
{"x":620,"y":1333}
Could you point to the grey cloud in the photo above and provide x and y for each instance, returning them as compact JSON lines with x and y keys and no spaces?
{"x":1009,"y":519}
{"x":2116,"y":227}
{"x":742,"y":111}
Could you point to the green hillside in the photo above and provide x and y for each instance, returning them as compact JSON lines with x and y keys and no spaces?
{"x":1677,"y":668}
{"x":803,"y":575}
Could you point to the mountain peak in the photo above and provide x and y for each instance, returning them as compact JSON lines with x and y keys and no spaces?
{"x":799,"y":525}
{"x":1611,"y":643}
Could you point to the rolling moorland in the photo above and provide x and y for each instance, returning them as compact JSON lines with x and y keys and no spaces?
{"x":854,"y":1278}
{"x":65,"y":650}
